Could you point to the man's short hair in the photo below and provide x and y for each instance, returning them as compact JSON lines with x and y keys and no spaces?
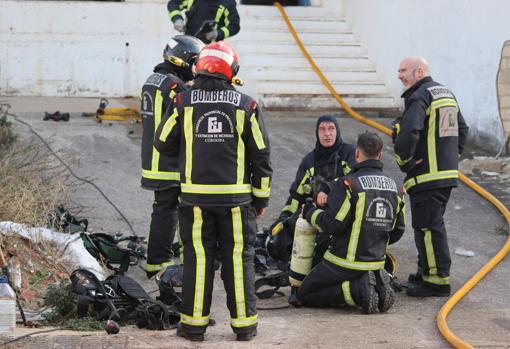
{"x":370,"y":144}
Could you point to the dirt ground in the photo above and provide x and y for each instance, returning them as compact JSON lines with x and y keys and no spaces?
{"x":109,"y":154}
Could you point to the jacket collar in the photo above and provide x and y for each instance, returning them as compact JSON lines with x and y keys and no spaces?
{"x":376,"y":164}
{"x":416,"y":85}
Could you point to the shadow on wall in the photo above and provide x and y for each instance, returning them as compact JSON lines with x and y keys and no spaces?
{"x":503,"y":89}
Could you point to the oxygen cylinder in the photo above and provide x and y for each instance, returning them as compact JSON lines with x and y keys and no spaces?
{"x":302,"y":252}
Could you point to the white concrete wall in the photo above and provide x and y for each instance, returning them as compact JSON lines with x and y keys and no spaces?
{"x":461,"y":39}
{"x":79,"y":48}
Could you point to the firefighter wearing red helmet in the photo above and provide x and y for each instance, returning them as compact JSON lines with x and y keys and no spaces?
{"x":219,"y":136}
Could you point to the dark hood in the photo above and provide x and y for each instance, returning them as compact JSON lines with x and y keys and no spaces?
{"x":323,"y":155}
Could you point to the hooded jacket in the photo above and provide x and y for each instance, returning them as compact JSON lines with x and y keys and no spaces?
{"x":318,"y":168}
{"x":159,"y":171}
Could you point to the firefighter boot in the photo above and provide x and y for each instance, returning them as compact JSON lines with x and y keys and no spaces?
{"x":246,"y":336}
{"x":426,"y":289}
{"x":363,"y":292}
{"x":415,"y":278}
{"x":194,"y":337}
{"x":384,"y":290}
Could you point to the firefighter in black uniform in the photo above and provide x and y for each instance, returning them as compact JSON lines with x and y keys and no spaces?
{"x":428,"y":139}
{"x":160,"y":173}
{"x":365,"y":211}
{"x":223,"y":151}
{"x":208,"y":20}
{"x":330,"y":160}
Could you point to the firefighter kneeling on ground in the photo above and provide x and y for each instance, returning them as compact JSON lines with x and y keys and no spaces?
{"x":331,"y":159}
{"x":364,"y":213}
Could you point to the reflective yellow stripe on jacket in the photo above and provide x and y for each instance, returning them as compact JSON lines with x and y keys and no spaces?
{"x":154,"y":172}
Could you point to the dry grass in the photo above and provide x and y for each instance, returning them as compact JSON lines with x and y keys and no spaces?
{"x":31,"y":184}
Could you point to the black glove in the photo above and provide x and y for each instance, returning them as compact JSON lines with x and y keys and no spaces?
{"x":308,"y":209}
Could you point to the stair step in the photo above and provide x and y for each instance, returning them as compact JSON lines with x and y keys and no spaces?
{"x":277,"y":24}
{"x":300,"y":61}
{"x":327,"y":102}
{"x":293,"y":49}
{"x":285,"y":36}
{"x":317,"y":87}
{"x":270,"y":75}
{"x":293,"y":12}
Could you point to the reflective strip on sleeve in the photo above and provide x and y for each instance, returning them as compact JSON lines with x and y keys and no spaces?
{"x":188,"y":136}
{"x":257,"y":134}
{"x":292,"y":207}
{"x":168,"y":176}
{"x":215,"y":189}
{"x":240,"y":116}
{"x":226,"y":32}
{"x":198,"y":302}
{"x":168,"y":126}
{"x":356,"y":227}
{"x":174,"y":13}
{"x":264,"y":191}
{"x":158,"y":105}
{"x":344,"y":209}
{"x":237,"y":259}
{"x":346,"y":169}
{"x":429,"y":248}
{"x":346,"y":290}
{"x":313,"y":219}
{"x":431,"y":142}
{"x":309,"y":172}
{"x":219,"y":13}
{"x":401,"y":162}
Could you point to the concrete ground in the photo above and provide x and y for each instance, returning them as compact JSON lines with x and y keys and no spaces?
{"x":109,"y":154}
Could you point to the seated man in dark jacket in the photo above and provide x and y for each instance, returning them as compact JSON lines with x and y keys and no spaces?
{"x":330,"y":160}
{"x":364,"y":213}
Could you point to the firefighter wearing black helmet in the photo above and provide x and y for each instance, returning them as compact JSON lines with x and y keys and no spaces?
{"x":160,"y":173}
{"x":223,"y":148}
{"x":208,"y":20}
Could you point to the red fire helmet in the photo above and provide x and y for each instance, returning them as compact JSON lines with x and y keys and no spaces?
{"x":218,"y":60}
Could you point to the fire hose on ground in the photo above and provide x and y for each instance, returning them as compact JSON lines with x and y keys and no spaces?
{"x":453,"y":300}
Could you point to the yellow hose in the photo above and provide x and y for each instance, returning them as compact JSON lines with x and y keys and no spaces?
{"x":453,"y":300}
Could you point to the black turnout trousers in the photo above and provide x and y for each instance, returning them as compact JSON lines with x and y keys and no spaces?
{"x":203,"y":230}
{"x":162,"y":229}
{"x":427,"y":209}
{"x":328,"y":285}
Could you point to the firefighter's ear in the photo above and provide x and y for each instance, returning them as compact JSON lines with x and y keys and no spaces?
{"x":357,"y":155}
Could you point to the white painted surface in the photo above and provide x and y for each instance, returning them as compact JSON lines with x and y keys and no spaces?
{"x":461,"y":39}
{"x":74,"y":48}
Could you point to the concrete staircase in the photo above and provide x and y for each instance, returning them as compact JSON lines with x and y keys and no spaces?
{"x":281,"y":78}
